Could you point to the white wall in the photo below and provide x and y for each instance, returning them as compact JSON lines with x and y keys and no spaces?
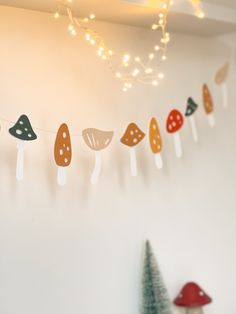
{"x":78,"y":249}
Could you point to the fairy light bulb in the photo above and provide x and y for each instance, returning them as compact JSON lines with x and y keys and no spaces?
{"x":118,"y":75}
{"x":154,"y":83}
{"x":92,"y":42}
{"x":164,"y":57}
{"x":151,"y":56}
{"x":154,"y":26}
{"x":201,"y":15}
{"x":135,"y":72}
{"x":92,"y":16}
{"x":126,"y":58}
{"x":161,"y":76}
{"x":86,"y":19}
{"x":157,"y":48}
{"x":137,"y":59}
{"x":70,"y":27}
{"x":148,"y":70}
{"x":56,"y":15}
{"x":88,"y":37}
{"x":110,"y":52}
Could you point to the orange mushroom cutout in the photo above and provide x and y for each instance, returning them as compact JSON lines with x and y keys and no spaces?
{"x":132,"y":137}
{"x":62,"y":153}
{"x":174,"y":123}
{"x":156,"y":142}
{"x":220,"y":79}
{"x":97,"y":140}
{"x":208,"y":105}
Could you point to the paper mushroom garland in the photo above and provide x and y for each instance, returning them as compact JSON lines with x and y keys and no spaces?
{"x":174,"y":123}
{"x":190,"y":110}
{"x":24,"y":132}
{"x":155,"y":142}
{"x":132,"y":137}
{"x":192,"y":298}
{"x":97,"y":140}
{"x":62,"y":153}
{"x":220,"y":79}
{"x":208,"y":105}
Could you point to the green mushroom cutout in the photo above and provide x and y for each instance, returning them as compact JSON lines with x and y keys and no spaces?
{"x":24,"y":132}
{"x":189,"y":113}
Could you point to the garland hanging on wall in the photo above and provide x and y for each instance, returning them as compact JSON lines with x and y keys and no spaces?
{"x":98,"y":140}
{"x":126,"y":68}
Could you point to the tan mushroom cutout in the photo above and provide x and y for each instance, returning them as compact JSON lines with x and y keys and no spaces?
{"x":62,"y":153}
{"x":97,"y":140}
{"x":208,"y":105}
{"x":220,"y":79}
{"x":155,"y":142}
{"x":132,"y":137}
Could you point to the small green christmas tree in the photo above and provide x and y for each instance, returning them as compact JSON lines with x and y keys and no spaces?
{"x":155,"y":296}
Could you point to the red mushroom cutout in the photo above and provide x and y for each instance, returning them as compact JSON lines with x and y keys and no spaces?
{"x":132,"y":137}
{"x":193,"y":298}
{"x":97,"y":140}
{"x":174,"y":123}
{"x":62,"y":153}
{"x":155,"y":142}
{"x":208,"y":104}
{"x":220,"y":79}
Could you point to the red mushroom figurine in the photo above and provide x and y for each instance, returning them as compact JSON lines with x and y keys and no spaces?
{"x":193,"y":298}
{"x":174,"y":123}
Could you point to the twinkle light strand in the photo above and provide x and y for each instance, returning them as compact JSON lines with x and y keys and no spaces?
{"x":126,"y":68}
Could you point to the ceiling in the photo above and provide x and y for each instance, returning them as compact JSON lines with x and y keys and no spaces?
{"x":119,"y":11}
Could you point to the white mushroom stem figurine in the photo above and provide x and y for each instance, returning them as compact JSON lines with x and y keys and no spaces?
{"x":174,"y":123}
{"x":62,"y":153}
{"x":220,"y":79}
{"x":97,"y":140}
{"x":155,"y":142}
{"x":133,"y":135}
{"x":208,"y":105}
{"x":190,"y":110}
{"x":192,"y":298}
{"x":23,"y":131}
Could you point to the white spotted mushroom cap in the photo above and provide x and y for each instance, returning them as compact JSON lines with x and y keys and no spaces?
{"x":62,"y":147}
{"x":133,"y":135}
{"x":175,"y":121}
{"x":192,"y":295}
{"x":23,"y":130}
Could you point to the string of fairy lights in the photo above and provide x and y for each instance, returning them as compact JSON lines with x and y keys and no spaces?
{"x":127,"y":68}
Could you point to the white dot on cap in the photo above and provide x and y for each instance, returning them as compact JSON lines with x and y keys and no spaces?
{"x":201,"y":293}
{"x":29,"y":135}
{"x":66,"y":160}
{"x":61,"y":152}
{"x":21,"y":122}
{"x":64,"y":134}
{"x":19,"y":132}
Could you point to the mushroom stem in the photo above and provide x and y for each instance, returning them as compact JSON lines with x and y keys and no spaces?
{"x":20,"y":160}
{"x":178,"y":145}
{"x":211,"y":119}
{"x":133,"y":162}
{"x":97,"y":167}
{"x":224,"y":95}
{"x":61,"y":176}
{"x":194,"y":128}
{"x":158,"y":161}
{"x":195,"y":310}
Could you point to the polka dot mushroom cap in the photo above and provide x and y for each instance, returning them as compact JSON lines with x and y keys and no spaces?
{"x":62,"y":148}
{"x":192,"y":295}
{"x":133,"y":135}
{"x":175,"y":121}
{"x":23,"y":130}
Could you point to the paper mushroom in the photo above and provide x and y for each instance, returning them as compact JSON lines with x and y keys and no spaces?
{"x":190,"y":110}
{"x":131,"y":138}
{"x":192,"y":298}
{"x":174,"y":123}
{"x":208,"y":104}
{"x":62,"y":153}
{"x":23,"y":131}
{"x":220,"y":79}
{"x":97,"y":140}
{"x":155,"y":142}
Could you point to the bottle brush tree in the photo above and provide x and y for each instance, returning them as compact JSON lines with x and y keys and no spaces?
{"x":155,"y":298}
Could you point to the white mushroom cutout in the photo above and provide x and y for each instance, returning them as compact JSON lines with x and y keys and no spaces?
{"x":62,"y":153}
{"x":155,"y":141}
{"x":97,"y":140}
{"x":24,"y":132}
{"x":132,"y":137}
{"x":174,"y":123}
{"x":220,"y":79}
{"x":190,"y":110}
